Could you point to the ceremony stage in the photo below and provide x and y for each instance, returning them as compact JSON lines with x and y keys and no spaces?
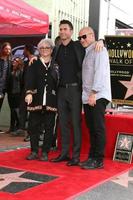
{"x":115,"y":123}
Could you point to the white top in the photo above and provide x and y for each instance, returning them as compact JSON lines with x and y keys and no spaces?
{"x":96,"y":74}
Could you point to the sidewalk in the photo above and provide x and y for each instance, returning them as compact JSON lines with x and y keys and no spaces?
{"x":9,"y":142}
{"x":118,"y":188}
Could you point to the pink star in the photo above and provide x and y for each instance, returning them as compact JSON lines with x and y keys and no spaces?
{"x":123,"y":179}
{"x":129,"y":86}
{"x":6,"y":179}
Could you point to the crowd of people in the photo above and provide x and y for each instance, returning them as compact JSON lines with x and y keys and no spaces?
{"x":12,"y":82}
{"x":52,"y":87}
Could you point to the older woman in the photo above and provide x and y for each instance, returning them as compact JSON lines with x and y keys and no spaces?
{"x":41,"y":89}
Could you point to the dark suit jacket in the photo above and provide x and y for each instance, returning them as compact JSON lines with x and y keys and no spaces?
{"x":39,"y":77}
{"x":80,"y":53}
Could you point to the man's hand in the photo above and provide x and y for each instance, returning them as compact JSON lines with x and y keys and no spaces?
{"x":28,"y":99}
{"x":32,"y":60}
{"x":92,"y":99}
{"x":99,"y":46}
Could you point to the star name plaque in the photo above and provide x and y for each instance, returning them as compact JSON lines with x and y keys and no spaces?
{"x":124,"y":147}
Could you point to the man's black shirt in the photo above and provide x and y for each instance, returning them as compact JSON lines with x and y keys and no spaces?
{"x":66,"y":59}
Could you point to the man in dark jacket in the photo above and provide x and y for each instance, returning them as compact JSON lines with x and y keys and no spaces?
{"x":69,"y":55}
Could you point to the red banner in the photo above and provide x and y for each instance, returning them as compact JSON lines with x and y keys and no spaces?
{"x":19,"y":18}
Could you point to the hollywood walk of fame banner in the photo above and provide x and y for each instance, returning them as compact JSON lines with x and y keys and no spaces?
{"x":120,"y":49}
{"x":124,"y":148}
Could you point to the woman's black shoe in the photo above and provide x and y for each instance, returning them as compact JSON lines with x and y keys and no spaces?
{"x":44,"y":157}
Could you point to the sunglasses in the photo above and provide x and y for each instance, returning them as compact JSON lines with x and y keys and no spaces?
{"x":82,"y":37}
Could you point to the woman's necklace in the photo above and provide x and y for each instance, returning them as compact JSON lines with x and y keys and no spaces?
{"x":44,"y":63}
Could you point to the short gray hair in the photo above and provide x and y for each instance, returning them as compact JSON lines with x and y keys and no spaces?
{"x":45,"y":41}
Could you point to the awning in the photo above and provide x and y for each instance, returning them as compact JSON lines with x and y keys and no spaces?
{"x":19,"y":18}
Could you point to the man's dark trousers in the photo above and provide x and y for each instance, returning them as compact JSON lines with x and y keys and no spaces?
{"x":69,"y":108}
{"x":95,"y":121}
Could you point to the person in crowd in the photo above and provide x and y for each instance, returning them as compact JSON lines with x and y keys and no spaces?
{"x":69,"y":55}
{"x":41,"y":98}
{"x":96,"y":93}
{"x":14,"y":93}
{"x":5,"y":66}
{"x":28,"y":53}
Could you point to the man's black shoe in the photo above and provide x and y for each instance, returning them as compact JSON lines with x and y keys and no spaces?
{"x":95,"y":164}
{"x":85,"y":162}
{"x":44,"y":157}
{"x":32,"y":156}
{"x":60,"y":158}
{"x":19,"y":132}
{"x":73,"y":162}
{"x":27,"y":138}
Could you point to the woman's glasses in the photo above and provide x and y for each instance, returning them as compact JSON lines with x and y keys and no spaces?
{"x":45,"y":48}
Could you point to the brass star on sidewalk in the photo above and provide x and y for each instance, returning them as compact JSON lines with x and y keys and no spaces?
{"x":6,"y":179}
{"x":129,"y":86}
{"x":123,"y":179}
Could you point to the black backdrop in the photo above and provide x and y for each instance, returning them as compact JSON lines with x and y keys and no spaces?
{"x":120,"y":50}
{"x":18,"y":42}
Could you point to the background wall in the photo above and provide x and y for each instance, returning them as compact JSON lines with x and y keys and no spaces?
{"x":112,"y":10}
{"x":77,"y":11}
